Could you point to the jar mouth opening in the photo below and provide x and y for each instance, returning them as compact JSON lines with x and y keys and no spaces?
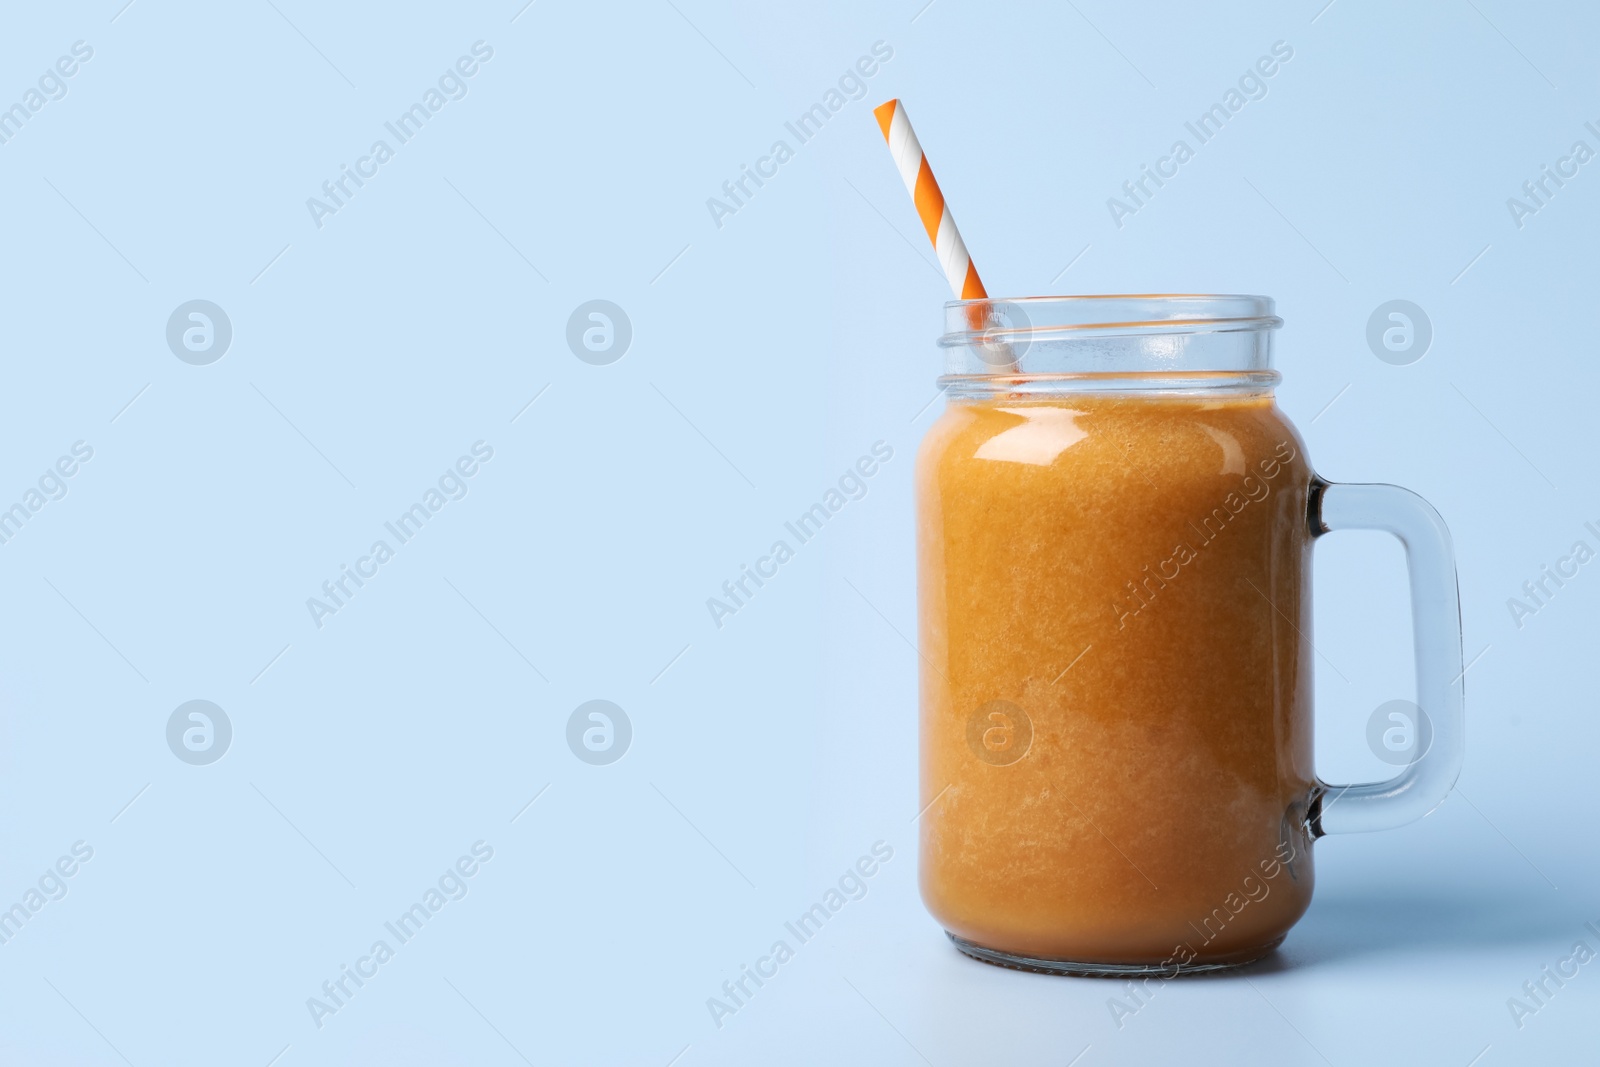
{"x":1031,"y":319}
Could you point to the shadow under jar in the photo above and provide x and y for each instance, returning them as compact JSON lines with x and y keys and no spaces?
{"x":1114,"y":531}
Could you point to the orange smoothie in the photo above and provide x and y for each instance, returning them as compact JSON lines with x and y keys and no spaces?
{"x":1116,"y":677}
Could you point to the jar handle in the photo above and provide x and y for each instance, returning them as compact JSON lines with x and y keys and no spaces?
{"x":1436,"y":620}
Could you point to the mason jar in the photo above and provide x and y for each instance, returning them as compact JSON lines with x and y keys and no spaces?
{"x":1115,"y":525}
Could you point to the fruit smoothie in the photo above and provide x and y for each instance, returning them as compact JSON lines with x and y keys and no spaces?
{"x":1116,"y":676}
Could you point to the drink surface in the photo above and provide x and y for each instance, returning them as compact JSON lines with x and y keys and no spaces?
{"x":1116,"y":676}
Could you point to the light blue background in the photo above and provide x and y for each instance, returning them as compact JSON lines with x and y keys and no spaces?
{"x":768,"y":354}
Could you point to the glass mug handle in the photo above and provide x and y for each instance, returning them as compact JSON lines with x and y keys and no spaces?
{"x":1436,"y":620}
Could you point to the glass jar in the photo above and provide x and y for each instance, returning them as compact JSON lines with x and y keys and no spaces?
{"x":1114,"y":532}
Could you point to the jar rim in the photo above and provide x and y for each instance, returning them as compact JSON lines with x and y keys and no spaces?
{"x":1162,"y":342}
{"x":997,"y":319}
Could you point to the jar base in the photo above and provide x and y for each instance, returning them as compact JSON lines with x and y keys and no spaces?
{"x":1100,"y":970}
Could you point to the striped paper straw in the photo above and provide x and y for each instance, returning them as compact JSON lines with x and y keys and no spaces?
{"x":931,"y":209}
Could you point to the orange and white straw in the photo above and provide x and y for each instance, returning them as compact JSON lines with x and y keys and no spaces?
{"x":948,"y":246}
